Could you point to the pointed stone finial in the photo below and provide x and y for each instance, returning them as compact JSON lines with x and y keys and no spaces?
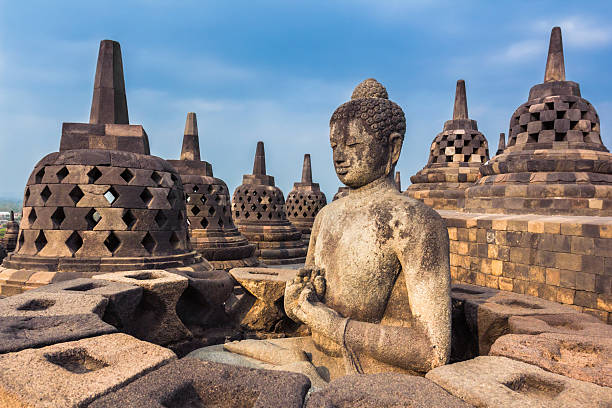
{"x":460,"y":111}
{"x":501,"y":146}
{"x":191,"y":141}
{"x":12,"y":217}
{"x":398,"y":181}
{"x":259,"y":166}
{"x":109,"y":104}
{"x":555,"y":64}
{"x":306,"y":170}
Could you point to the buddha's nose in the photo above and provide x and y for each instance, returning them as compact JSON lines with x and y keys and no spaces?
{"x":339,"y":157}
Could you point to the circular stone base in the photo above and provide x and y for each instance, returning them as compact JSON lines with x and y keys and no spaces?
{"x":223,"y":250}
{"x":276,"y":244}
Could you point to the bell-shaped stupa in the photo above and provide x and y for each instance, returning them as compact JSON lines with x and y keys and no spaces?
{"x":454,"y":159}
{"x":212,"y":229}
{"x":305,"y":201}
{"x":12,"y":233}
{"x":554,"y":162}
{"x":102,"y":203}
{"x":258,"y":208}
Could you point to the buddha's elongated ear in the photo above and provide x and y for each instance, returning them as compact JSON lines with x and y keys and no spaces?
{"x":395,"y":146}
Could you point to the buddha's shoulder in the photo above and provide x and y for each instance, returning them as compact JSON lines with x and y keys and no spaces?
{"x":407,"y":210}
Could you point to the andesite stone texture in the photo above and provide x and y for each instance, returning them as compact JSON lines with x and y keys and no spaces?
{"x":377,"y":273}
{"x":575,"y":324}
{"x":583,"y":358}
{"x":32,"y":304}
{"x":305,"y":201}
{"x":455,"y":157}
{"x":501,"y":145}
{"x":102,"y":203}
{"x":123,"y":299}
{"x":192,"y":383}
{"x":398,"y":180}
{"x":488,"y":381}
{"x":259,"y":211}
{"x":209,"y":215}
{"x":267,"y":285}
{"x":554,"y":162}
{"x":383,"y":390}
{"x":75,"y":373}
{"x":155,"y":319}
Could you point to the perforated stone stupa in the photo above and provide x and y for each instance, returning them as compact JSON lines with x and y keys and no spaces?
{"x":454,"y":159}
{"x":212,"y":229}
{"x":554,"y":161}
{"x":305,"y":201}
{"x":102,"y":203}
{"x":258,"y":208}
{"x":12,"y":233}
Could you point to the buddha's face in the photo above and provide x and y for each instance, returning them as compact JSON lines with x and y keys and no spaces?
{"x":359,"y":157}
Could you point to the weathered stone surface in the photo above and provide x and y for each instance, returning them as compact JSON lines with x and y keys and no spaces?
{"x":201,"y":304}
{"x":583,"y":358}
{"x":501,"y":382}
{"x":213,"y":233}
{"x":155,"y":317}
{"x":578,"y":324}
{"x":192,"y":383}
{"x":267,"y":285}
{"x":122,"y":298}
{"x":31,"y":304}
{"x":75,"y":373}
{"x":383,"y":390}
{"x":259,"y":211}
{"x":487,"y":316}
{"x":20,"y":332}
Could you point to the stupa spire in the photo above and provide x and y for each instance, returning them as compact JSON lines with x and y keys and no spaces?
{"x":501,"y":145}
{"x":191,"y":141}
{"x":307,"y":170}
{"x":398,"y":181}
{"x":109,"y":104}
{"x":555,"y":64}
{"x":12,"y":218}
{"x":259,"y":166}
{"x":460,"y":111}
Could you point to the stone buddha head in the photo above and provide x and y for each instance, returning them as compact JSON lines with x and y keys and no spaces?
{"x":366,"y":135}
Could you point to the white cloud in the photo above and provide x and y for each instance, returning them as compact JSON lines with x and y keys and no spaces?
{"x":519,"y":52}
{"x":580,"y":31}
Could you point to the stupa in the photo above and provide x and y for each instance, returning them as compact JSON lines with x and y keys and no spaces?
{"x":554,"y":162}
{"x":102,"y":203}
{"x":12,"y":233}
{"x":258,"y":208}
{"x":501,"y":145}
{"x":304,"y":201}
{"x":342,"y":192}
{"x":454,"y":159}
{"x":398,"y":181}
{"x":212,"y":229}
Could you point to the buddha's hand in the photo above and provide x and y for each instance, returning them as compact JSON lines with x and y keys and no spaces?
{"x":318,"y":316}
{"x":293,"y":289}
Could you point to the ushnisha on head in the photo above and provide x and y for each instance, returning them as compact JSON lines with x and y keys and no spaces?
{"x":366,"y":135}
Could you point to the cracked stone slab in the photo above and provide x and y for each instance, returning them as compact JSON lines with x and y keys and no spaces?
{"x":493,"y":382}
{"x":21,"y":332}
{"x":583,"y":358}
{"x":193,"y":383}
{"x":578,"y":324}
{"x":383,"y":390}
{"x":30,"y":304}
{"x":122,"y":298}
{"x":155,"y":317}
{"x":75,"y":373}
{"x":487,"y":315}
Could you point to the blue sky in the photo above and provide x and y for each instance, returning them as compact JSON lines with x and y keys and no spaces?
{"x":276,"y":70}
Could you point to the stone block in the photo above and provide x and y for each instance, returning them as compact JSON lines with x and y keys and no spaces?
{"x":583,"y":358}
{"x":193,"y":383}
{"x":489,"y":381}
{"x":202,"y":303}
{"x":487,"y":317}
{"x":31,"y":304}
{"x":383,"y":390}
{"x":155,"y":317}
{"x":21,"y":332}
{"x":267,"y":285}
{"x":122,"y":298}
{"x":75,"y":373}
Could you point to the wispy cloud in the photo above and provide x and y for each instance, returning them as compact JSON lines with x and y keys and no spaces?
{"x":580,"y":31}
{"x":519,"y":52}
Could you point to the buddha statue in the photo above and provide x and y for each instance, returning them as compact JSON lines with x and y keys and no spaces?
{"x":374,"y":291}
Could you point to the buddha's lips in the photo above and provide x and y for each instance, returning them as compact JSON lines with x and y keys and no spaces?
{"x":342,"y":170}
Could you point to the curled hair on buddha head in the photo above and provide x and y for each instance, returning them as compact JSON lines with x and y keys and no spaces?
{"x":370,"y":103}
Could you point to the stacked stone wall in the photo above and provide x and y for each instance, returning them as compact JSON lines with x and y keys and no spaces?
{"x":567,"y":259}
